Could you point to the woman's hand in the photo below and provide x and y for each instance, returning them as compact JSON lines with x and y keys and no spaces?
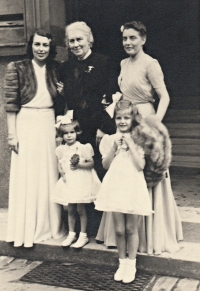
{"x":13,"y":144}
{"x":60,"y":87}
{"x":12,"y":133}
{"x":62,"y":173}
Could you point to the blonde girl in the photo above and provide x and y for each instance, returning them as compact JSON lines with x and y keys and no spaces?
{"x":124,"y":191}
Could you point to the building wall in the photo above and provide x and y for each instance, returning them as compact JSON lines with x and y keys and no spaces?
{"x":173,"y":38}
{"x":18,"y":20}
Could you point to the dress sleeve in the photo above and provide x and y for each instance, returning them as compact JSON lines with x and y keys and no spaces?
{"x":105,"y":145}
{"x":59,"y":152}
{"x":155,"y":75}
{"x":11,"y":89}
{"x":87,"y":151}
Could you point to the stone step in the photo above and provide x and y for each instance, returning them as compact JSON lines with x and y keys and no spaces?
{"x":189,"y":147}
{"x":186,"y":161}
{"x":182,"y":116}
{"x":165,"y":283}
{"x":12,"y":269}
{"x":184,"y":263}
{"x":184,"y":130}
{"x":185,"y":144}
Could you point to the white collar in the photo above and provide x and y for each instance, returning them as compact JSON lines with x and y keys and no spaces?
{"x":74,"y":146}
{"x":87,"y":55}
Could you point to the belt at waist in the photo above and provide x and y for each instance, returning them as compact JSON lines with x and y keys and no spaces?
{"x":45,"y":108}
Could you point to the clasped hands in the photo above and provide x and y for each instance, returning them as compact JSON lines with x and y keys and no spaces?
{"x":123,"y":140}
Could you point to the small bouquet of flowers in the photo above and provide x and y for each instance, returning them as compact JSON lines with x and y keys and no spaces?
{"x":75,"y":159}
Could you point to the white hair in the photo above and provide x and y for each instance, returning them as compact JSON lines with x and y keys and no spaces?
{"x":79,"y":25}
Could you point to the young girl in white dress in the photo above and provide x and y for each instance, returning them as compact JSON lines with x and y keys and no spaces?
{"x":78,"y":183}
{"x":124,"y":191}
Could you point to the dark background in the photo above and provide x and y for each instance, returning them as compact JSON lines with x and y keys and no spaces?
{"x":172,"y":38}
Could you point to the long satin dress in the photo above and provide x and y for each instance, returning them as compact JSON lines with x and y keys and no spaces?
{"x":162,"y":230}
{"x":32,"y":217}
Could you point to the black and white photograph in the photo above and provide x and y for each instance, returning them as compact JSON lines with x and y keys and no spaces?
{"x":100,"y":145}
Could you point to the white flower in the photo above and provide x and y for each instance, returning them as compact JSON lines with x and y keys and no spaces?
{"x":89,"y":69}
{"x":122,"y":28}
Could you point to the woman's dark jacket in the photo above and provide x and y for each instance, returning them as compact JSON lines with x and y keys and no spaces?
{"x":20,"y":84}
{"x":85,"y":84}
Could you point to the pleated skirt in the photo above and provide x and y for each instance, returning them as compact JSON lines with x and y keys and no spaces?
{"x":32,"y":217}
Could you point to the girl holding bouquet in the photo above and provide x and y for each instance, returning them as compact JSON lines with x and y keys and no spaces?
{"x":78,"y":183}
{"x":124,"y":191}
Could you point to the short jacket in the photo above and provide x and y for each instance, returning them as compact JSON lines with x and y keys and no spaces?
{"x":20,"y":83}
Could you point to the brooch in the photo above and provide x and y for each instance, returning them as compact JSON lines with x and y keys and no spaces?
{"x":89,"y":69}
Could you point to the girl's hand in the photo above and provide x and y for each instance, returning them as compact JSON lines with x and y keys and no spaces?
{"x":13,"y":144}
{"x":128,"y":140}
{"x":118,"y":141}
{"x":74,"y":167}
{"x":86,"y":164}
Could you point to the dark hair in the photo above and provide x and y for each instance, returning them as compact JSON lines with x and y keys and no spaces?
{"x":137,"y":25}
{"x":127,"y":105}
{"x":52,"y":51}
{"x":75,"y":124}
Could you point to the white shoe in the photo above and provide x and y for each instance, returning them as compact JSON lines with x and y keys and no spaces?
{"x":119,"y":275}
{"x":68,"y":241}
{"x":129,"y":275}
{"x":81,"y":242}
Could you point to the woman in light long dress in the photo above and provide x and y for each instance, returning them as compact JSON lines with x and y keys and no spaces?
{"x":140,"y":77}
{"x":31,"y":97}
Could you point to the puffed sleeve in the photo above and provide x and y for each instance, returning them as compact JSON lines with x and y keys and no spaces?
{"x":87,"y":151}
{"x":155,"y":75}
{"x":105,"y":145}
{"x":11,"y":89}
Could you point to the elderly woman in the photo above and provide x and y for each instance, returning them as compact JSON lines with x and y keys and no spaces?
{"x":140,"y":78}
{"x":31,"y":97}
{"x":89,"y":80}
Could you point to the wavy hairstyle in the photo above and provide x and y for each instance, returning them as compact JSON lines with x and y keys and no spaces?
{"x":52,"y":51}
{"x":79,"y":25}
{"x":137,"y":25}
{"x":125,"y":105}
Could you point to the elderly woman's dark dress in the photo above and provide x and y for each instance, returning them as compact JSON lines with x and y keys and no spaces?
{"x":85,"y":83}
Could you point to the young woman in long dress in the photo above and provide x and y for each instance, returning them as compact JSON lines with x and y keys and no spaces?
{"x":140,"y":77}
{"x":31,"y":97}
